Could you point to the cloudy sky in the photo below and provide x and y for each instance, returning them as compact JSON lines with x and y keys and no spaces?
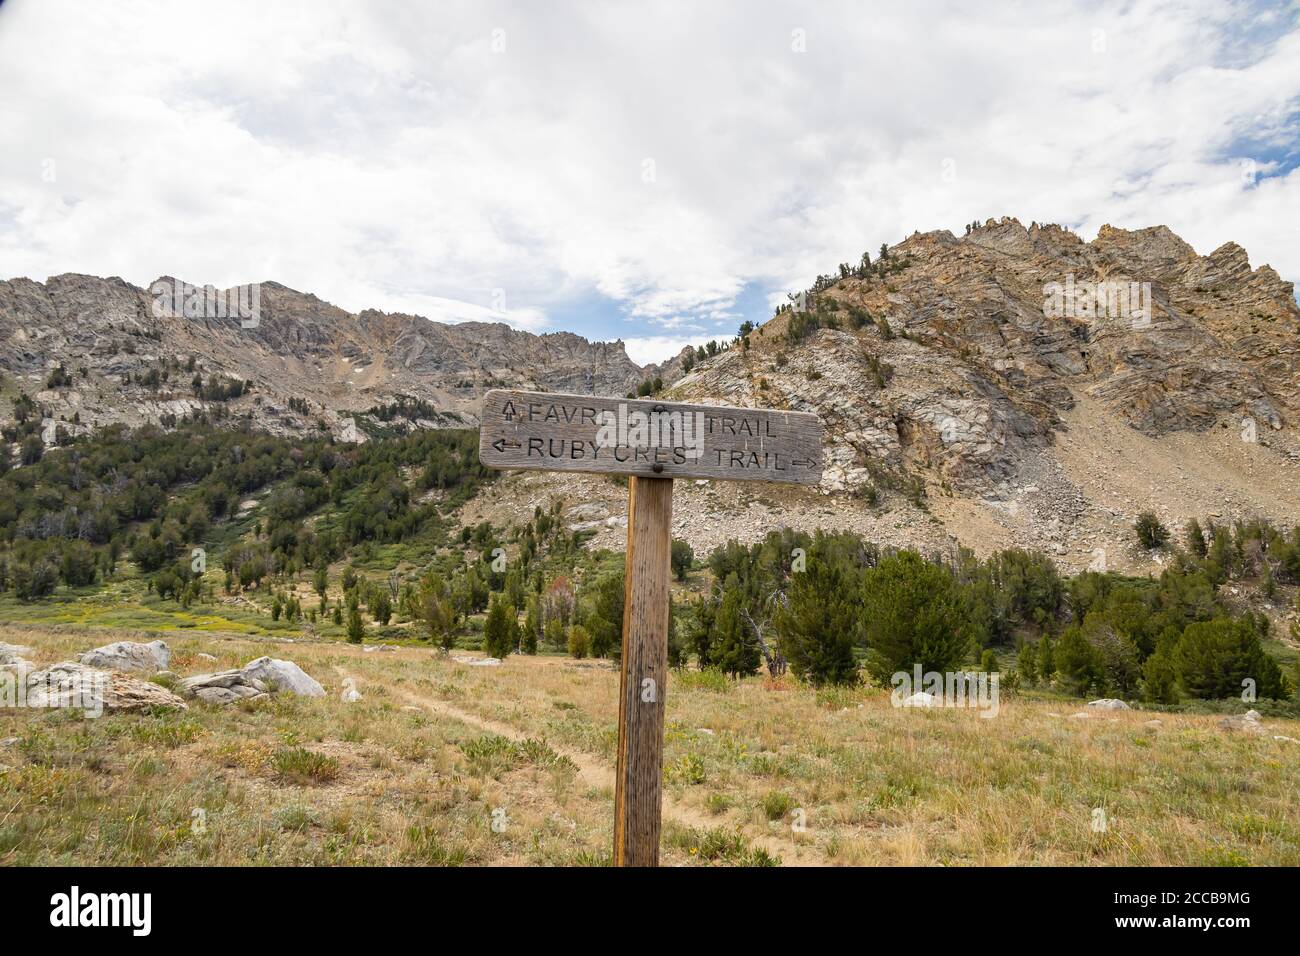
{"x":654,"y":172}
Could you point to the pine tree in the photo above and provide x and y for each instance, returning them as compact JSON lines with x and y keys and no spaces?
{"x":1159,"y":675}
{"x":500,"y":630}
{"x":382,"y":608}
{"x":1078,"y":663}
{"x":356,"y":627}
{"x":1151,"y":533}
{"x":1027,"y":662}
{"x":1046,"y":658}
{"x":731,"y":648}
{"x":817,"y":627}
{"x":605,"y":624}
{"x":579,"y":641}
{"x":532,"y":626}
{"x":701,"y":633}
{"x":914,"y":616}
{"x":437,"y":614}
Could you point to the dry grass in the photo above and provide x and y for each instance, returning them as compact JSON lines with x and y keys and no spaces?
{"x":413,"y":773}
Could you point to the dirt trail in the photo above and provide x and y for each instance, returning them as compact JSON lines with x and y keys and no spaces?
{"x":596,"y":773}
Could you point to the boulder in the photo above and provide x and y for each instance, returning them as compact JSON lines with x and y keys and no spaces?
{"x":350,"y":693}
{"x":1245,"y":723}
{"x":73,"y":685}
{"x":921,"y":699}
{"x":129,"y":656}
{"x":477,"y":661}
{"x":255,"y":679}
{"x":223,"y":687}
{"x":283,"y":675}
{"x":1108,"y":703}
{"x":11,"y":658}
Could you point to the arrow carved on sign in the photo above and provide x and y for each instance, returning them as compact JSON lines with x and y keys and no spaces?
{"x":588,"y":433}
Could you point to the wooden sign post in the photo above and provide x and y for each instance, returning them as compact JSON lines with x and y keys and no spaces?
{"x":652,"y":443}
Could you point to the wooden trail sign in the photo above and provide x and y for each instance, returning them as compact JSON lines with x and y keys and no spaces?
{"x":648,"y":438}
{"x":653,"y":443}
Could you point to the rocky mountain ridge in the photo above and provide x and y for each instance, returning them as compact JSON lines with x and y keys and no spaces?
{"x":331,"y":363}
{"x":1011,"y":386}
{"x":949,"y":374}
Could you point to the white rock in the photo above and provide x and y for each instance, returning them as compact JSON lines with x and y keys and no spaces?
{"x":1109,"y":703}
{"x":1247,"y":722}
{"x":129,"y":656}
{"x":350,"y":693}
{"x":283,"y":675}
{"x":206,"y":657}
{"x":920,"y":699}
{"x":477,"y":661}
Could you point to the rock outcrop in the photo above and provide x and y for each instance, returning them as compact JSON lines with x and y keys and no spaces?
{"x":342,"y":365}
{"x":76,"y":686}
{"x":129,"y":656}
{"x":255,"y":679}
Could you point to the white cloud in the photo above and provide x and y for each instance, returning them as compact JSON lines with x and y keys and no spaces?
{"x":657,"y":348}
{"x":480,"y":160}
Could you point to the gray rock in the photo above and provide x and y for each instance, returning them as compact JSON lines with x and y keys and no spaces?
{"x":77,"y":686}
{"x":1109,"y":703}
{"x":129,"y":656}
{"x":223,"y":687}
{"x":283,"y":675}
{"x":255,"y":679}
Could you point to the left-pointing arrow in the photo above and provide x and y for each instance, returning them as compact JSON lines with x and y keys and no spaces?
{"x":501,"y":444}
